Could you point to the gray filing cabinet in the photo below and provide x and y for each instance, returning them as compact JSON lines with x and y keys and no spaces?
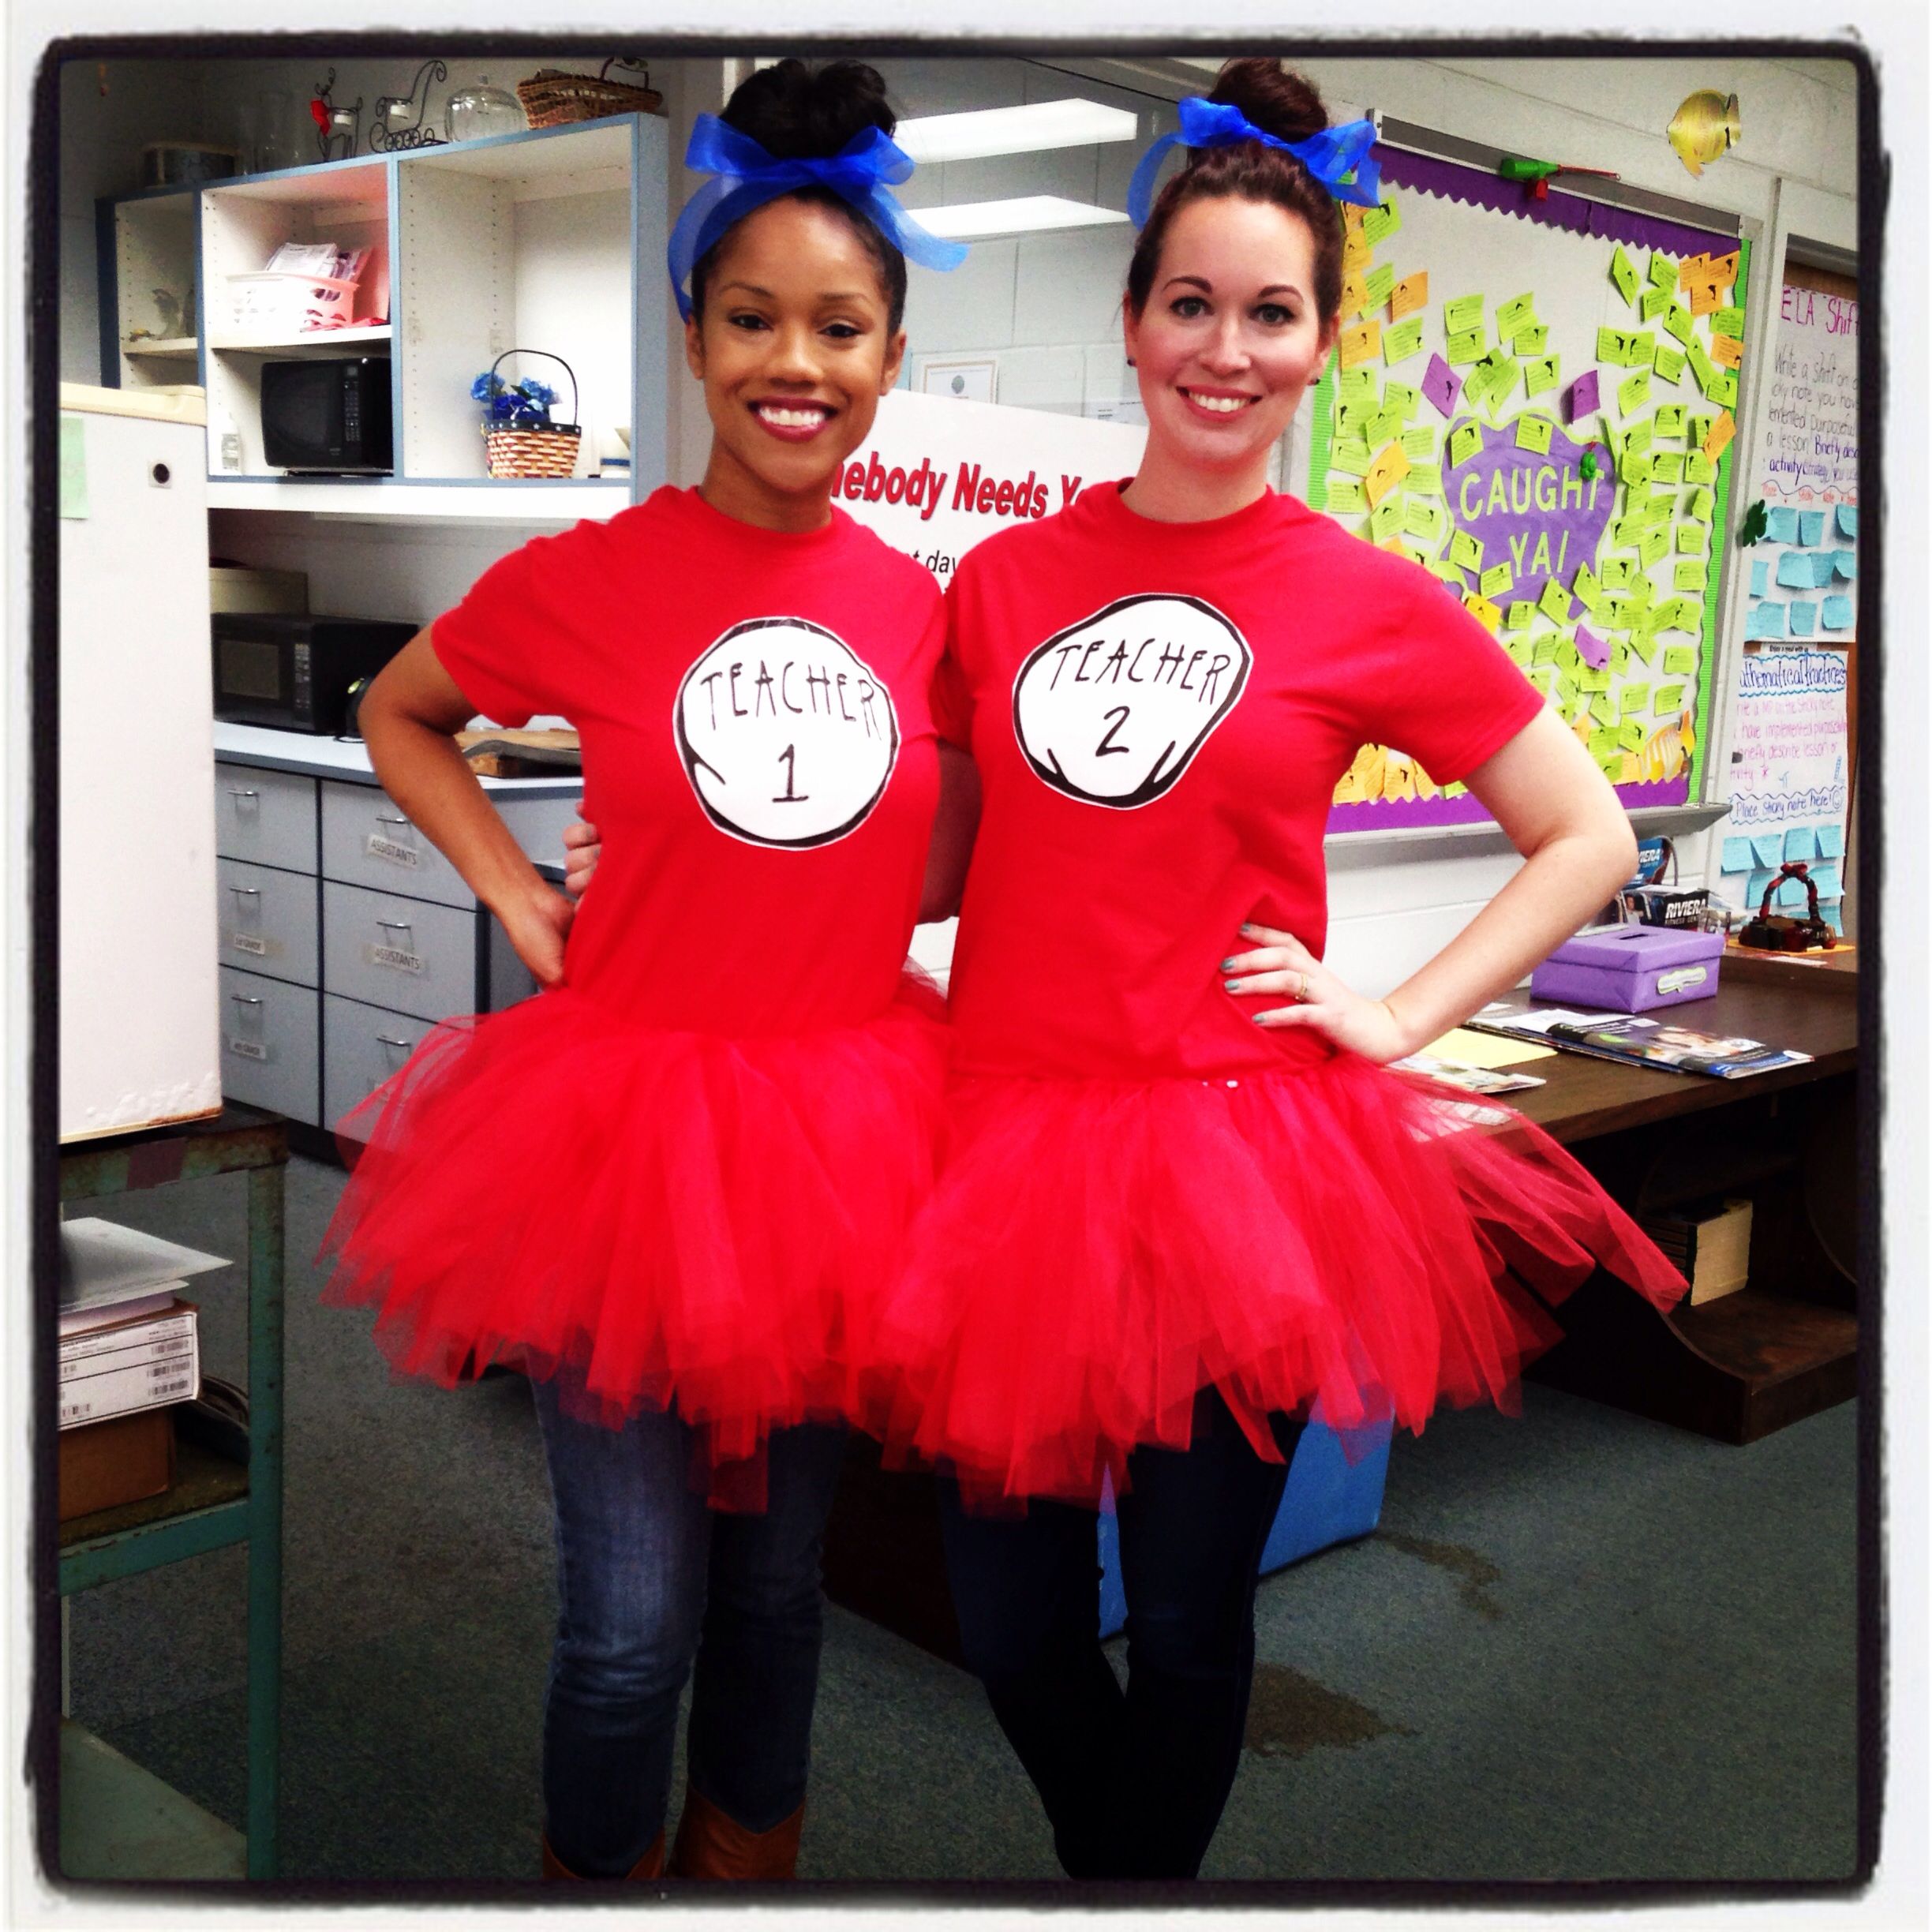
{"x":345,"y":935}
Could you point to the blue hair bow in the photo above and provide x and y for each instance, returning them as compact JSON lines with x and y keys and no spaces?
{"x":1329,"y":155}
{"x":745,"y":177}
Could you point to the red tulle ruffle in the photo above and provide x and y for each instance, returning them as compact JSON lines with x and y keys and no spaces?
{"x":1340,"y":1237}
{"x":686,"y":1217}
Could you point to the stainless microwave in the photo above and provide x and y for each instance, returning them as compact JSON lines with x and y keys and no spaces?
{"x":296,"y":671}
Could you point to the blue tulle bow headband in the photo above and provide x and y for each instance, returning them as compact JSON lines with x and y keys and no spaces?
{"x":745,"y":177}
{"x":1330,"y":155}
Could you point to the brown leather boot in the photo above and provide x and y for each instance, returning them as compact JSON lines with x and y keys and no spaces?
{"x":649,"y":1866}
{"x":713,"y":1844}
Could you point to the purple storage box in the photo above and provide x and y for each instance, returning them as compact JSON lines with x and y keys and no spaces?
{"x":1630,"y":968}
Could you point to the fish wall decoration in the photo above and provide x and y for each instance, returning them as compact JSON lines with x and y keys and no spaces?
{"x":1705,"y":124}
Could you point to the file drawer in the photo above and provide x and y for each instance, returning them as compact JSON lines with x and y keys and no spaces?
{"x":266,"y":817}
{"x":270,"y":1045}
{"x":267,"y":920}
{"x":361,"y":1047}
{"x":367,"y":841}
{"x":405,"y":954}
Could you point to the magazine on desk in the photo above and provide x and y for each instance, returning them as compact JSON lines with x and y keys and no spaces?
{"x":1638,"y":1039}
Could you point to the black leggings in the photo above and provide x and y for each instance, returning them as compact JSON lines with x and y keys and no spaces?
{"x":1133,"y":1783}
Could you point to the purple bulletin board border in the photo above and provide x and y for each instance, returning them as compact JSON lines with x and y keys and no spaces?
{"x":1456,"y":181}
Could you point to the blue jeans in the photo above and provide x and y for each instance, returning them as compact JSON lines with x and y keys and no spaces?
{"x":1133,"y":1783}
{"x":648,"y":1580}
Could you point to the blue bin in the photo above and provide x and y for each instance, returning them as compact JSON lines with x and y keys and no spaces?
{"x":1329,"y":1499}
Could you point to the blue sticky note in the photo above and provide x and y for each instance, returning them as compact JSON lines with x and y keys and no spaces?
{"x":1781,"y":524}
{"x":1755,"y":889}
{"x":1803,"y":618}
{"x":1832,"y":915}
{"x":1844,"y":564}
{"x":1847,"y":519}
{"x":1800,"y":842}
{"x":1795,"y":571}
{"x":1825,"y":878}
{"x":1822,"y":565}
{"x":1837,"y":614}
{"x":1831,"y":841}
{"x":1810,"y":527}
{"x":1769,"y":847}
{"x":1761,"y":574}
{"x":1737,"y":855}
{"x":1766,"y":620}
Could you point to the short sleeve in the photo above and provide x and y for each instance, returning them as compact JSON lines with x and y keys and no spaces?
{"x":1443,"y":689}
{"x":515,"y":645}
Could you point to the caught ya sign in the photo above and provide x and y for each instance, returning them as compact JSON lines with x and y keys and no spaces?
{"x":1537,"y":513}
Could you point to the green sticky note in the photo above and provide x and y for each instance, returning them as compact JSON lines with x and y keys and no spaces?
{"x":1344,"y":494}
{"x":1691,"y":574}
{"x":1635,"y":697}
{"x":1464,"y":442}
{"x":1531,"y":339}
{"x":1642,"y":590}
{"x":1495,"y":581}
{"x":1400,"y":340}
{"x":1654,"y":302}
{"x":1669,"y":419}
{"x":1696,"y":429}
{"x":1356,"y":411}
{"x":1679,"y":661}
{"x":1545,"y":373}
{"x":1729,"y":322}
{"x":1532,"y":433}
{"x":1441,"y":567}
{"x":1400,"y":398}
{"x":1465,"y":552}
{"x":1463,"y":314}
{"x":1662,"y":270}
{"x":1476,"y":389}
{"x":1669,"y":363}
{"x":1623,"y":274}
{"x":1698,"y":468}
{"x":1619,"y":664}
{"x":74,"y":478}
{"x":1505,"y":373}
{"x":1519,"y":616}
{"x":1702,"y":366}
{"x":1466,"y":346}
{"x":1666,"y":466}
{"x":1724,"y":389}
{"x":1421,"y":520}
{"x":1384,"y":428}
{"x":1609,"y":345}
{"x":1701,"y":505}
{"x":1514,"y":314}
{"x":1655,"y":544}
{"x":1380,"y":222}
{"x":1693,"y":540}
{"x":1634,"y":391}
{"x":1667,"y":700}
{"x":1634,"y":471}
{"x":1617,"y":572}
{"x":1570,"y":661}
{"x":1584,"y":583}
{"x":1353,"y":459}
{"x":1356,"y":385}
{"x":1555,"y":602}
{"x":1676,"y":319}
{"x":1423,"y":479}
{"x":1544,"y":651}
{"x":1603,"y":746}
{"x":1518,"y":649}
{"x":1639,"y":440}
{"x":1603,"y":708}
{"x":1380,"y":283}
{"x":1630,"y":735}
{"x":1419,"y":445}
{"x":1386,"y":518}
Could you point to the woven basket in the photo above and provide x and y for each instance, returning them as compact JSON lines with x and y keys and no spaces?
{"x":551,"y":98}
{"x":550,"y":450}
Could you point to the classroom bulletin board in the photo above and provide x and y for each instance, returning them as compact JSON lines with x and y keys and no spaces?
{"x":1536,"y":400}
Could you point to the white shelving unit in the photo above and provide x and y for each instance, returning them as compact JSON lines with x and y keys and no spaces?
{"x":152,"y":241}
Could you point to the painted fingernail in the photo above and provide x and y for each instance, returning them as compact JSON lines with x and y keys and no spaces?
{"x":1227,"y":965}
{"x":1248,"y":926}
{"x":1231,"y":985}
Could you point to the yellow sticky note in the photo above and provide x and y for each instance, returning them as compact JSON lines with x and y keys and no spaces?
{"x":1400,"y":340}
{"x":1355,"y":249}
{"x":1465,"y":552}
{"x":1555,"y":602}
{"x":1705,"y":297}
{"x":1721,"y":431}
{"x":1354,"y":295}
{"x":1379,"y":223}
{"x":1408,"y":294}
{"x":1484,"y":612}
{"x":1496,"y":581}
{"x":1485,"y":1050}
{"x":1464,"y":443}
{"x":1361,"y":344}
{"x":1726,"y":351}
{"x":1532,"y":433}
{"x":1390,"y":466}
{"x":1623,"y":274}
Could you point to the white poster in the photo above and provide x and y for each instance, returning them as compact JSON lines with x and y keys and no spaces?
{"x":938,"y":474}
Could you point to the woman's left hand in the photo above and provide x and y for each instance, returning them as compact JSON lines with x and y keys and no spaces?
{"x":1280,"y":963}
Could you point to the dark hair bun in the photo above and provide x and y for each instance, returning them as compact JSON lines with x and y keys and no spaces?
{"x":796,"y":113}
{"x":1277,"y":102}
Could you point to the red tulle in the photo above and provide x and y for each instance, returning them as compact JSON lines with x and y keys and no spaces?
{"x":1340,"y":1238}
{"x":682,"y":1217}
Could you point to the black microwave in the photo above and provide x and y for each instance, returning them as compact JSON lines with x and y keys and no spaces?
{"x":295,"y":671}
{"x":328,"y":413}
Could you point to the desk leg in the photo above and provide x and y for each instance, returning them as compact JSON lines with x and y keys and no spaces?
{"x":266,"y":1217}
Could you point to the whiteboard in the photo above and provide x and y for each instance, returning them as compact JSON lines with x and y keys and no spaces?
{"x":1602,"y":327}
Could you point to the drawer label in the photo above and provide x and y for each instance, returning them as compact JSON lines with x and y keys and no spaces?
{"x":378,"y":847}
{"x":249,"y":1049}
{"x":250,"y":943}
{"x":396,"y":958}
{"x":1683,"y":976}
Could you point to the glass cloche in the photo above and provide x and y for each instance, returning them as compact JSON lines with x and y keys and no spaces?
{"x":478,"y":108}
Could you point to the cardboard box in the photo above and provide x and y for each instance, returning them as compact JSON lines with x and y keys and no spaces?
{"x":1630,"y":969}
{"x":121,"y":1460}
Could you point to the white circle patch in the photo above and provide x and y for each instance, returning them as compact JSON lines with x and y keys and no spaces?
{"x":786,"y":735}
{"x":1113,"y":710}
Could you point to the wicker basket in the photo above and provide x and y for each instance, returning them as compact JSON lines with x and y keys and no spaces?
{"x":551,"y":98}
{"x":550,"y":450}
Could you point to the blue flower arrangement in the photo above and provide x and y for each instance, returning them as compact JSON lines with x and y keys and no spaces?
{"x":524,"y":405}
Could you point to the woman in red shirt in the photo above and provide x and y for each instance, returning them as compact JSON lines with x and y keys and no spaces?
{"x":670,"y":1186}
{"x":1183,"y":1205}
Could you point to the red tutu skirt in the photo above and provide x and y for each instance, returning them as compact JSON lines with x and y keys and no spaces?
{"x":1339,"y":1239}
{"x":677,"y":1217}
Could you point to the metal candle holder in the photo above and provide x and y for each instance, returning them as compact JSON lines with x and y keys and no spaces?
{"x":418,"y":134}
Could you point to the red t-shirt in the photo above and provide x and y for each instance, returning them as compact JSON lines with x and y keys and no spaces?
{"x":757,"y":747}
{"x":1160,"y":714}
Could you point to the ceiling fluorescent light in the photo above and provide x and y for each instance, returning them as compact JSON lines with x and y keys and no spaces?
{"x":967,"y":221}
{"x":1031,"y":129}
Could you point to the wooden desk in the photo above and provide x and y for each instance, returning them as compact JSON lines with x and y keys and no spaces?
{"x":1785,"y":1346}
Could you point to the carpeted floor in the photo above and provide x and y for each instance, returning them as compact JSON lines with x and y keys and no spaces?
{"x":1581,"y":1646}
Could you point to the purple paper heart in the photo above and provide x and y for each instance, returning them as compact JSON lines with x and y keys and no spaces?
{"x":1581,"y":399}
{"x":1540,"y":514}
{"x":1594,"y":651}
{"x":1442,"y":385}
